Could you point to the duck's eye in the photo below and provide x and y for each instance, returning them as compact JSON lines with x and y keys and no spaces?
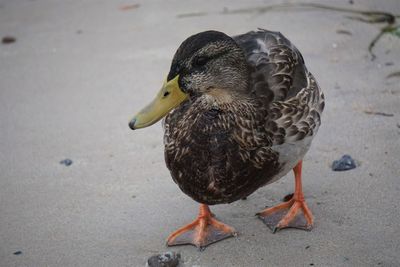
{"x":200,"y":61}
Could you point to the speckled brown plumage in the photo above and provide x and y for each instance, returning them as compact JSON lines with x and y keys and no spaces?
{"x":225,"y":142}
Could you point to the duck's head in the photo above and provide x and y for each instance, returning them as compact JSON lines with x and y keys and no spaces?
{"x":206,"y":63}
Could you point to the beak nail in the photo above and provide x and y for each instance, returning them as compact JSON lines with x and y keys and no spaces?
{"x":132,"y":124}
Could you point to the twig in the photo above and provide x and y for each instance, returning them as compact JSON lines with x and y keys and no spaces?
{"x":369,"y":112}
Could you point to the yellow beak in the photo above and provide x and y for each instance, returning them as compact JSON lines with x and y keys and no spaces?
{"x":168,"y":98}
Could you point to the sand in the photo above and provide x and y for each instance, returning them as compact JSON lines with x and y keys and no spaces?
{"x":79,"y":70}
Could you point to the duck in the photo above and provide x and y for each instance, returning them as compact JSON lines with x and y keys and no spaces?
{"x":239,"y":113}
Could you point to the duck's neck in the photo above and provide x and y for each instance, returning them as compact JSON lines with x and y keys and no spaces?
{"x":219,"y":96}
{"x":222,"y":99}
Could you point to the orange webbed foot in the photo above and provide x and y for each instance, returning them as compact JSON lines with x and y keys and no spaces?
{"x":290,"y":214}
{"x":202,"y":232}
{"x":293,"y":213}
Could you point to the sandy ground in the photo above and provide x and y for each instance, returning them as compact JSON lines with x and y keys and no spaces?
{"x":80,"y":69}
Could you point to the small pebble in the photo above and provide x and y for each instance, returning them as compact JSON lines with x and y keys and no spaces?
{"x":66,"y":162}
{"x":8,"y":40}
{"x":344,"y":164}
{"x":167,"y":259}
{"x":287,"y":197}
{"x":17,"y":252}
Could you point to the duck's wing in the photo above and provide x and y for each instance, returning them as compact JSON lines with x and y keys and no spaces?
{"x":280,"y":77}
{"x":298,"y":117}
{"x":277,"y":67}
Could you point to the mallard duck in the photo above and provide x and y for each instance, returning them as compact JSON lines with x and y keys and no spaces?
{"x":240,"y":113}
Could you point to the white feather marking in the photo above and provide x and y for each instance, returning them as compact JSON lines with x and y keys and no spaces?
{"x":262,"y":47}
{"x":290,"y":154}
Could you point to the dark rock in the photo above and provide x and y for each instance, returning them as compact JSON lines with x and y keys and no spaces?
{"x":66,"y":162}
{"x":17,"y":252}
{"x":8,"y":40}
{"x":343,"y":164}
{"x":167,"y":259}
{"x":287,"y":197}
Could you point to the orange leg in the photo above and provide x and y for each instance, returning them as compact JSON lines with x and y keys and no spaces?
{"x":202,"y":232}
{"x":293,"y":213}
